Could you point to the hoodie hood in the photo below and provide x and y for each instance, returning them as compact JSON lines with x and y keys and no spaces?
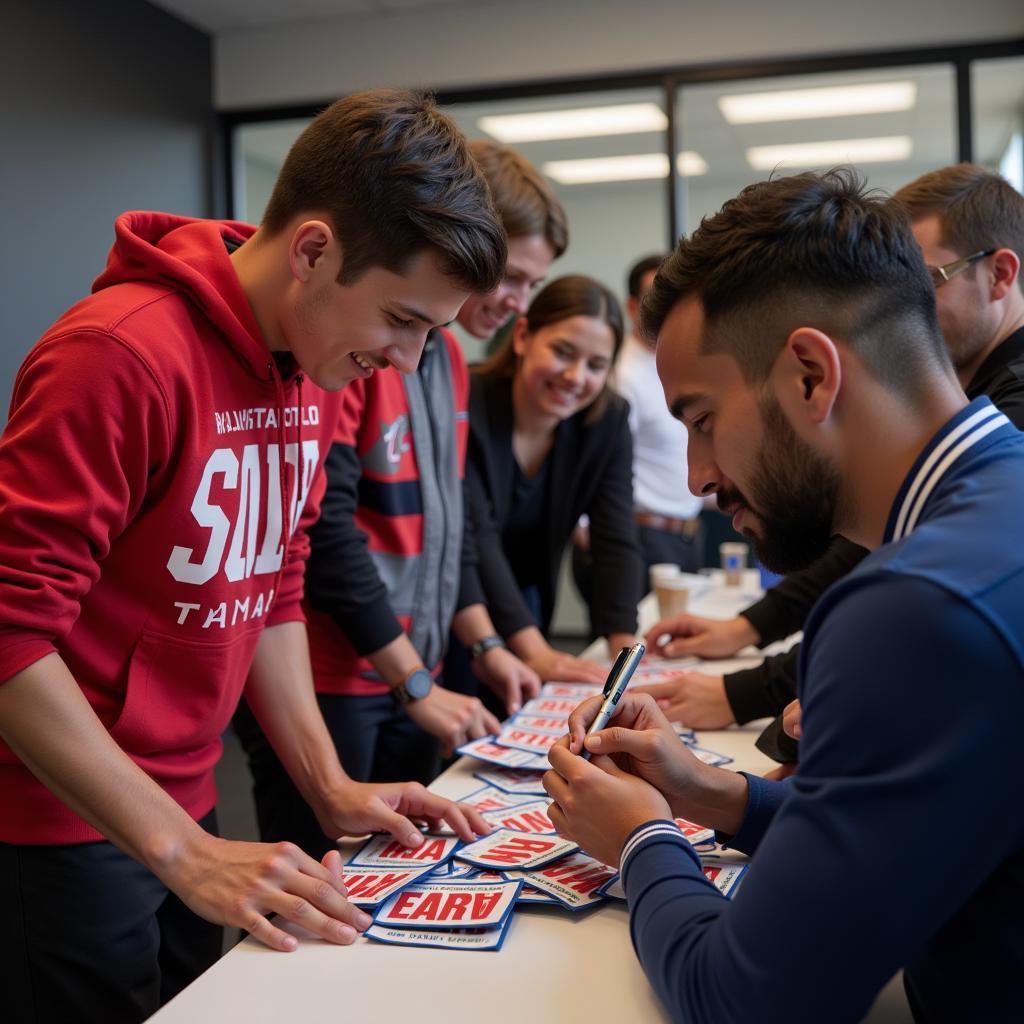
{"x":190,"y":256}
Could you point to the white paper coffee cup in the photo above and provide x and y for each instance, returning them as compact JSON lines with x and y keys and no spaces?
{"x":734,"y":561}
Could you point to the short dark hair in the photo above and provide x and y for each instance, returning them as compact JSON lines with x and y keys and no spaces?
{"x":522,"y":195}
{"x":639,"y":271}
{"x":978,"y":209}
{"x":814,"y":250}
{"x":561,"y":299}
{"x":395,"y":177}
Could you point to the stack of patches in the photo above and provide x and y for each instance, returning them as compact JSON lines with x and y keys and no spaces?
{"x":526,"y":737}
{"x":448,"y":895}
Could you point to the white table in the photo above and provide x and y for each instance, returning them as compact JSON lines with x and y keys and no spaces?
{"x":553,"y":948}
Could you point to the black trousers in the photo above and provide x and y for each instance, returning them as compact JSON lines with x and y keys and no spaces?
{"x":89,"y":934}
{"x":376,"y":742}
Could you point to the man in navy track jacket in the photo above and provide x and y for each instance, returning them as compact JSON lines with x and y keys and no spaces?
{"x":798,"y":341}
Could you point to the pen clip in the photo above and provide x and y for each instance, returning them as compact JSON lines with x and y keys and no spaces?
{"x":615,"y":670}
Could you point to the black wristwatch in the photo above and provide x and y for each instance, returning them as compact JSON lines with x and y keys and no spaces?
{"x":415,"y":686}
{"x":485,"y":644}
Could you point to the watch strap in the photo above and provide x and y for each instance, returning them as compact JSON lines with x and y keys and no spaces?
{"x":400,"y":693}
{"x":485,"y":644}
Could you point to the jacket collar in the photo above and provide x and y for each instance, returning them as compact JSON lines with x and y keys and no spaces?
{"x":954,"y":442}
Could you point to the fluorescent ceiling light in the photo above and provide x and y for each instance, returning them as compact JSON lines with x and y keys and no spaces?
{"x":834,"y":101}
{"x":690,"y":164}
{"x":828,"y":154}
{"x":622,"y":119}
{"x":638,"y":167}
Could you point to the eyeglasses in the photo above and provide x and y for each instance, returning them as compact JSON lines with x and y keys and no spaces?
{"x":940,"y":275}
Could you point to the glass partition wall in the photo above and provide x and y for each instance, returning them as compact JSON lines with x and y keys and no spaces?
{"x":892,"y":124}
{"x":605,"y":145}
{"x":635,"y":162}
{"x":997,"y":95}
{"x":605,"y":156}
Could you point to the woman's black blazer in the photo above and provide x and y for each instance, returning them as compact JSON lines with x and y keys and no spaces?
{"x":591,"y":472}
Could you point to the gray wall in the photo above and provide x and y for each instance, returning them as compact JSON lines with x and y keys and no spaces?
{"x":106,"y":107}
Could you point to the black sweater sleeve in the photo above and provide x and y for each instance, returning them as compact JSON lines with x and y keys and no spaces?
{"x":618,"y":569}
{"x":341,"y":578}
{"x":784,"y":609}
{"x":504,"y":601}
{"x":470,"y":589}
{"x":765,"y":689}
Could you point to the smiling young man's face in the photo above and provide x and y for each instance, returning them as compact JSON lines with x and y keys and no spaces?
{"x":340,"y":332}
{"x":781,"y":493}
{"x":529,"y":260}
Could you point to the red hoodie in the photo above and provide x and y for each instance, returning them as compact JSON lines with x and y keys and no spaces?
{"x":148,"y":464}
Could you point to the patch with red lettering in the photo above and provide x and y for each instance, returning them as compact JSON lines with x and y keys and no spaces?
{"x":461,"y":904}
{"x":490,"y":876}
{"x":452,"y":869}
{"x":487,"y":798}
{"x":491,"y":798}
{"x":699,"y":835}
{"x":505,"y":850}
{"x":478,"y":939}
{"x":645,"y":676}
{"x":725,"y":878}
{"x":512,"y":780}
{"x":555,"y":724}
{"x":527,"y":739}
{"x":487,"y":750}
{"x":553,"y":707}
{"x":535,"y":897}
{"x":385,"y":851}
{"x":369,"y":887}
{"x":528,"y":817}
{"x":575,"y":691}
{"x":575,"y":881}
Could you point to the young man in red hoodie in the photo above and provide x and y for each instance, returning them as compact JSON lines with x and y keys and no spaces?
{"x":393,"y":562}
{"x":161,"y":460}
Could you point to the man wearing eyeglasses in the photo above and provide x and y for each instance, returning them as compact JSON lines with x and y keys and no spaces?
{"x":969,"y":223}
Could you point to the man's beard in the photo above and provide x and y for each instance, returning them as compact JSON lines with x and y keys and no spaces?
{"x":796,"y":494}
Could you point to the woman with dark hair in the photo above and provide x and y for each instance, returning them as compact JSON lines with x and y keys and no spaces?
{"x":548,"y":443}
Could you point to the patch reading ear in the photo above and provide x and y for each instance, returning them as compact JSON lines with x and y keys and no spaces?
{"x":808,"y":387}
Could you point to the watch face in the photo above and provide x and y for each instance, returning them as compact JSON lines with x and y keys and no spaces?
{"x":419,"y":684}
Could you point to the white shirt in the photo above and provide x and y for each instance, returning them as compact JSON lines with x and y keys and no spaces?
{"x":659,"y":440}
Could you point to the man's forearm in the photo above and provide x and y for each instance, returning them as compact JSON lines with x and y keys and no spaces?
{"x":47,"y":721}
{"x":528,"y":643}
{"x":719,"y":800}
{"x":472,"y":623}
{"x":616,"y":641}
{"x":394,"y":661}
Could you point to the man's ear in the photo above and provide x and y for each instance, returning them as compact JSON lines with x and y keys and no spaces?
{"x":808,"y":374}
{"x":313,"y":247}
{"x":520,"y":332}
{"x":1005,"y":268}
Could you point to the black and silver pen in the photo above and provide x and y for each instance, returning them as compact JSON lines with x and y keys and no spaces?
{"x":615,"y":686}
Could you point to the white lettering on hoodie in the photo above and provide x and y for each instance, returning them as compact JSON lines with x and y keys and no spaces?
{"x":258,"y":486}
